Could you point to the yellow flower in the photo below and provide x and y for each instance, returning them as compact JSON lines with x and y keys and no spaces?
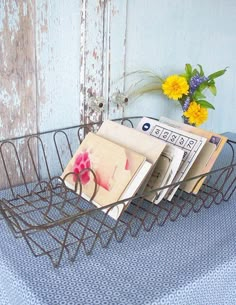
{"x":196,"y":114}
{"x":175,"y":87}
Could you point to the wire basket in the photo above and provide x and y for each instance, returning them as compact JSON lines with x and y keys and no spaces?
{"x":57,"y":222}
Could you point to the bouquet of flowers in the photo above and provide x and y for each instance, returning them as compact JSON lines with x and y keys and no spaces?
{"x":187,"y":88}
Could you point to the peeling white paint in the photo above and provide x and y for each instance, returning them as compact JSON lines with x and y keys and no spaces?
{"x":5,"y":97}
{"x":17,"y":66}
{"x":29,"y":82}
{"x":2,"y":15}
{"x":12,"y":37}
{"x":15,"y":96}
{"x":92,"y":51}
{"x":25,"y":9}
{"x":13,"y":10}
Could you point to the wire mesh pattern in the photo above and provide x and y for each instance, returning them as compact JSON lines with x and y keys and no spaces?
{"x":57,"y":222}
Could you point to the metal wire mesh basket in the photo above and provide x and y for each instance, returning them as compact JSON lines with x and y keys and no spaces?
{"x":57,"y":222}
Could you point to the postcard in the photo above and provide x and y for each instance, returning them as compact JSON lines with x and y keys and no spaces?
{"x":207,"y":157}
{"x":191,"y":145}
{"x":133,"y":139}
{"x":106,"y":170}
{"x":165,"y":171}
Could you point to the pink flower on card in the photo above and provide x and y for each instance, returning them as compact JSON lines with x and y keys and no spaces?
{"x":82,"y":161}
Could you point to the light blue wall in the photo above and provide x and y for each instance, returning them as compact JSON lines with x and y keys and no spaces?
{"x":58,"y":62}
{"x":164,"y":35}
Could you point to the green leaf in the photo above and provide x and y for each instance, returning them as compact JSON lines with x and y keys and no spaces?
{"x":201,"y":70}
{"x":217,"y":74}
{"x":213,"y":90}
{"x":205,"y":104}
{"x":202,"y":86}
{"x":198,"y":95}
{"x":211,"y":82}
{"x":188,"y":69}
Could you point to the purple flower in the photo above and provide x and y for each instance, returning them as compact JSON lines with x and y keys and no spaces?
{"x":185,"y":120}
{"x":196,"y":81}
{"x":186,"y":103}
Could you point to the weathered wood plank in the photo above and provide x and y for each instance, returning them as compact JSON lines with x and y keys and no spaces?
{"x":17,"y":80}
{"x":116,"y":61}
{"x":58,"y":60}
{"x":103,"y":42}
{"x":92,"y":56}
{"x":17,"y":68}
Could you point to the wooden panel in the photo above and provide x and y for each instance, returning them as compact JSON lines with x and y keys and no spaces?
{"x":116,"y":29}
{"x":92,"y":55}
{"x":17,"y":68}
{"x":17,"y":81}
{"x":58,"y":62}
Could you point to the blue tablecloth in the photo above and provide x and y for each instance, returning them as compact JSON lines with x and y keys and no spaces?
{"x":191,"y":261}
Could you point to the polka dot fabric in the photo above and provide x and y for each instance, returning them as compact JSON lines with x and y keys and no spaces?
{"x":191,"y":261}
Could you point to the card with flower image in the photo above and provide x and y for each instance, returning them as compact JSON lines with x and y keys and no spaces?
{"x":131,"y":138}
{"x":108,"y":169}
